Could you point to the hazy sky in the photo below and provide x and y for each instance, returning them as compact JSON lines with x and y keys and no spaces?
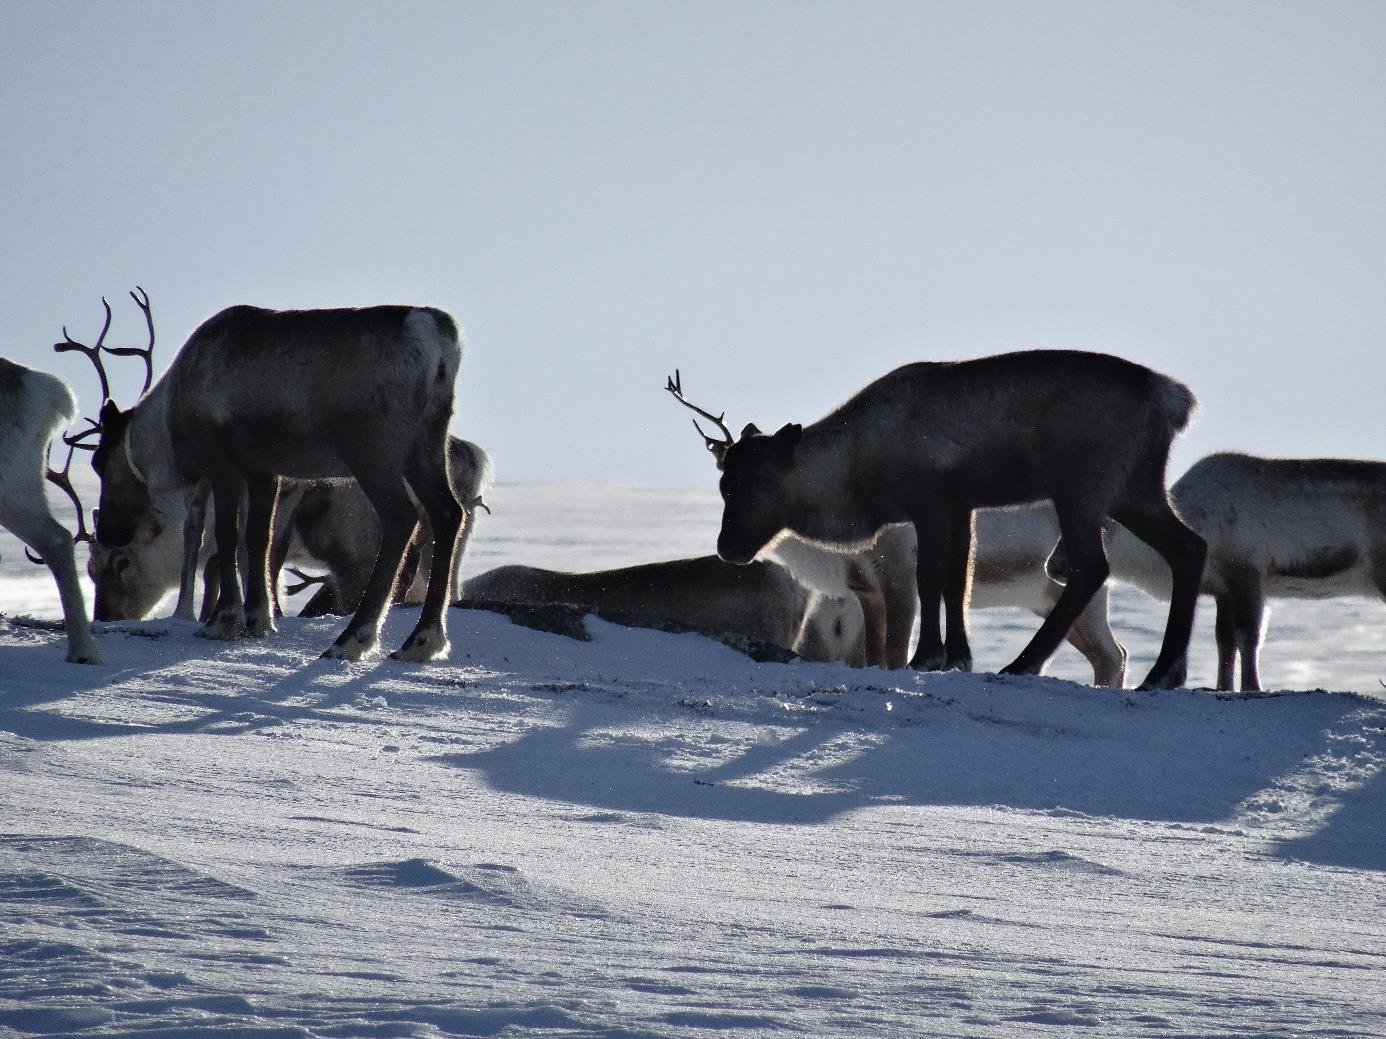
{"x":784,"y":199}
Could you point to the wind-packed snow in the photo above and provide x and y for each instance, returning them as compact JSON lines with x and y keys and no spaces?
{"x":651,"y":835}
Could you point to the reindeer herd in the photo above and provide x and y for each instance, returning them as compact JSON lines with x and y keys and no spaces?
{"x":318,"y":439}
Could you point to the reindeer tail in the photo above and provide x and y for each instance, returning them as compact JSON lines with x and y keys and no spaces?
{"x":1175,"y":401}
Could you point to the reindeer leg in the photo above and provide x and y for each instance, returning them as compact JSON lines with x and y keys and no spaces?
{"x":1087,"y":570}
{"x":1248,"y":613}
{"x":53,"y":542}
{"x":956,"y":591}
{"x":1155,"y":523}
{"x":429,"y":640}
{"x":228,"y":617}
{"x":194,"y":526}
{"x":1091,"y":635}
{"x":929,"y":578}
{"x":1225,"y":632}
{"x":262,"y":496}
{"x":389,"y":495}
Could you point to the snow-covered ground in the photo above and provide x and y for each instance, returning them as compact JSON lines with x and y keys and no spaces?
{"x":650,"y":835}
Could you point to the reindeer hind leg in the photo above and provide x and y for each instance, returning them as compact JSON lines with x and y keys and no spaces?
{"x":428,"y":478}
{"x":389,"y":494}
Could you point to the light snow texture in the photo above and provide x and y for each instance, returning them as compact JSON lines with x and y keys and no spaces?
{"x":651,"y":835}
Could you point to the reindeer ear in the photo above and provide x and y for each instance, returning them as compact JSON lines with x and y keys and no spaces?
{"x":789,"y":434}
{"x":719,"y":451}
{"x":751,"y":430}
{"x":110,"y":415}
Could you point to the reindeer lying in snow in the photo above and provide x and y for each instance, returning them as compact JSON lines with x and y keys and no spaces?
{"x":326,"y":523}
{"x":761,"y":600}
{"x":1312,"y":528}
{"x":34,"y":406}
{"x":930,"y":443}
{"x":1012,"y":544}
{"x":256,"y":395}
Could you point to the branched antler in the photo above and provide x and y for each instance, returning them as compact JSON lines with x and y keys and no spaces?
{"x":304,"y":581}
{"x":93,"y":353}
{"x":675,"y":386}
{"x":62,"y":479}
{"x":145,"y":353}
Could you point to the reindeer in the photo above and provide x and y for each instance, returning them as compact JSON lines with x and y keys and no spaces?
{"x":1277,"y":528}
{"x":1009,"y":570}
{"x":256,"y":395}
{"x":929,"y":443}
{"x":761,"y":600}
{"x":34,"y":407}
{"x":327,"y":523}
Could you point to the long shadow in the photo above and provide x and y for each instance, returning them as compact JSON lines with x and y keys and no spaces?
{"x":1178,"y":757}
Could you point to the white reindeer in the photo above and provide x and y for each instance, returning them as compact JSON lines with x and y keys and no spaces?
{"x":256,"y":395}
{"x":930,"y":443}
{"x":762,"y":601}
{"x":324,"y":524}
{"x":34,"y":407}
{"x":1012,"y":545}
{"x":1277,"y":528}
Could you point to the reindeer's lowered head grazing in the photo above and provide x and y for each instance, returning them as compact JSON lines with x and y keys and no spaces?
{"x":929,"y":443}
{"x":256,"y":395}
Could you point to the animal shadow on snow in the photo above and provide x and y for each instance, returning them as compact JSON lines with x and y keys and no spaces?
{"x":1031,"y":744}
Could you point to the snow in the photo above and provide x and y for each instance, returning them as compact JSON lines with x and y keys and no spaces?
{"x":651,"y":835}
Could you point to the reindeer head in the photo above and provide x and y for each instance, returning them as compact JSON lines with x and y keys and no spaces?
{"x":759,"y":488}
{"x":125,"y":588}
{"x":758,"y":484}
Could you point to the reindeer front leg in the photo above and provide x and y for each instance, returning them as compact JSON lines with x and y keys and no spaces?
{"x":957,"y":589}
{"x":228,"y":618}
{"x":262,"y":495}
{"x":929,"y":578}
{"x":194,"y":526}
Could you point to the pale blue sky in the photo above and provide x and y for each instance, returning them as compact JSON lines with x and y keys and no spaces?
{"x":784,"y":199}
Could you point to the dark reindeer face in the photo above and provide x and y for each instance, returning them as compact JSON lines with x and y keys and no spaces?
{"x":757,"y":489}
{"x":124,"y":497}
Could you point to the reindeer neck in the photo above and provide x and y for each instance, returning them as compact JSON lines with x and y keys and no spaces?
{"x":148,"y":445}
{"x":830,"y":507}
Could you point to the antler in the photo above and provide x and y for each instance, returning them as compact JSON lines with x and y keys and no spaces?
{"x":93,"y":352}
{"x":62,"y":478}
{"x":675,"y":386}
{"x":145,"y":353}
{"x":304,"y":581}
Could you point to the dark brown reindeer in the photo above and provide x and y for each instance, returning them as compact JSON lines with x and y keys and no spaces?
{"x":256,"y":395}
{"x":931,"y":442}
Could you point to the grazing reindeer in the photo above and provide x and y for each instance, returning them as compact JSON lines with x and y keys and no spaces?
{"x":761,"y":600}
{"x":327,"y":523}
{"x":1277,"y":528}
{"x":1012,"y":544}
{"x":256,"y":395}
{"x":929,"y":443}
{"x":34,"y":406}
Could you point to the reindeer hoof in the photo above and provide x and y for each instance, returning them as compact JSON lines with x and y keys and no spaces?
{"x":351,"y":651}
{"x":84,"y":657}
{"x":223,"y":629}
{"x":933,"y":662}
{"x":958,"y":664}
{"x":260,"y":627}
{"x":1173,"y":678}
{"x":421,"y":648}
